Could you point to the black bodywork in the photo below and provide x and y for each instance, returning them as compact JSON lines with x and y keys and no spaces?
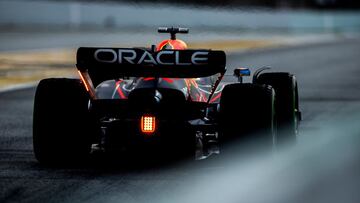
{"x":170,"y":93}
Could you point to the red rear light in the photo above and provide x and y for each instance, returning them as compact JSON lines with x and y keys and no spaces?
{"x":148,"y":124}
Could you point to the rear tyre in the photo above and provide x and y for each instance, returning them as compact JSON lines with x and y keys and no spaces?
{"x":61,"y":122}
{"x":247,"y":114}
{"x":286,"y":104}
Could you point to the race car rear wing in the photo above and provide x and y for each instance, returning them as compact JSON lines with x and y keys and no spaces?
{"x":111,"y":63}
{"x":96,"y":65}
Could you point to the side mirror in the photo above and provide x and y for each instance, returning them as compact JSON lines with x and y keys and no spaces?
{"x":258,"y":71}
{"x":241,"y":72}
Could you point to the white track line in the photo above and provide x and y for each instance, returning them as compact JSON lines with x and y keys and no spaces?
{"x":18,"y":87}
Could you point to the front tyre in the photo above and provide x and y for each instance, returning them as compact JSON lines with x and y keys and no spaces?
{"x":61,"y":122}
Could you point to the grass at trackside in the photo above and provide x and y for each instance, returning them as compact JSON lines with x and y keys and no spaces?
{"x":32,"y":66}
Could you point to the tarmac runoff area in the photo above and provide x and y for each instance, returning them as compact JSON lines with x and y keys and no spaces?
{"x":19,"y":69}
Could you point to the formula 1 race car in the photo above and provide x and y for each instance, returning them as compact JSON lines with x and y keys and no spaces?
{"x":165,"y":100}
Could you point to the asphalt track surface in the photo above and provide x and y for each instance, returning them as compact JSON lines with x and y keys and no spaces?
{"x":323,"y":167}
